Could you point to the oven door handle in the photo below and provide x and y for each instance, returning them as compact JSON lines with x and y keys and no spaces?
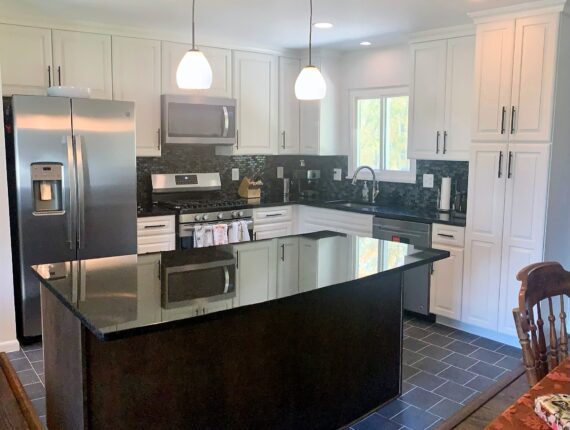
{"x":226,"y":279}
{"x":201,"y":266}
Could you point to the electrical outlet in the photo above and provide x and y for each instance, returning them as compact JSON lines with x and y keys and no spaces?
{"x":428,"y":180}
{"x":337,"y":176}
{"x":235,"y":174}
{"x":280,"y":172}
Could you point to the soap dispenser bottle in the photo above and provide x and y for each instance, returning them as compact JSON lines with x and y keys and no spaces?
{"x":365,"y":191}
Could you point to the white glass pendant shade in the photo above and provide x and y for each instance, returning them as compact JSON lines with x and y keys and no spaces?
{"x":194,"y":71}
{"x":310,"y":84}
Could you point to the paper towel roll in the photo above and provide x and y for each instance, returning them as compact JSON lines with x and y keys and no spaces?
{"x":445,"y":199}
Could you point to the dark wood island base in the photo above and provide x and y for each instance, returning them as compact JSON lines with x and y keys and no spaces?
{"x":318,"y":360}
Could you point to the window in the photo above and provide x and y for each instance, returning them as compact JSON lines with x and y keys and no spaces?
{"x":380,"y":134}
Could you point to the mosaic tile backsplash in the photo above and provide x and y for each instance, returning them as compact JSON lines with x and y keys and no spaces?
{"x":184,"y":159}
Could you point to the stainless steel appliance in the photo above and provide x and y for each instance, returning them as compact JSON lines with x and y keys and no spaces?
{"x":193,"y":196}
{"x":73,"y":188}
{"x":307,"y":183}
{"x":192,"y":119}
{"x":416,"y":281}
{"x":210,"y":273}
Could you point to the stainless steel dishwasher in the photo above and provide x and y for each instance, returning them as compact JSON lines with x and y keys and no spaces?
{"x":417,"y":280}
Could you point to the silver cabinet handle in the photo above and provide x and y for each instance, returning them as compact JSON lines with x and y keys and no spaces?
{"x":159,"y":142}
{"x":437,"y":142}
{"x":80,"y":192}
{"x":283,"y":252}
{"x":444,"y":142}
{"x":237,"y":139}
{"x":513,"y":116}
{"x":449,"y":236}
{"x":155,"y":226}
{"x":274,"y":215}
{"x":283,"y":144}
{"x":500,"y":164}
{"x":49,"y":76}
{"x":237,"y":260}
{"x":72,"y":216}
{"x":503,"y":115}
{"x":226,"y":121}
{"x":59,"y":74}
{"x":509,"y":172}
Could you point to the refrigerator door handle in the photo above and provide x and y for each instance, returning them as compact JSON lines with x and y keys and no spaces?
{"x":80,"y":192}
{"x":72,"y":215}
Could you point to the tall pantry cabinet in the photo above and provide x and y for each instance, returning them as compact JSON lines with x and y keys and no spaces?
{"x":521,"y":63}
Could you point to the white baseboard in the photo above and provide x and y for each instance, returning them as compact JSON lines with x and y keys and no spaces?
{"x":10,"y":346}
{"x":478,"y":331}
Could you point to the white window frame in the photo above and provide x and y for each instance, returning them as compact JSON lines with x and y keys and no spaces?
{"x":381,"y":175}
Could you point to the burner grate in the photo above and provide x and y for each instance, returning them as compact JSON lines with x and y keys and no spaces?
{"x":204,"y":205}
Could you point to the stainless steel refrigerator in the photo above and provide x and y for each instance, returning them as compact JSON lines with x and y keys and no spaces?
{"x":74,"y":188}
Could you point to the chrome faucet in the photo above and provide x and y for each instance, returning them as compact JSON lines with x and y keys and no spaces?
{"x":375,"y":190}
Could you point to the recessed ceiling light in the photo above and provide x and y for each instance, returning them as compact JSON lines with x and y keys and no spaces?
{"x":323,"y":25}
{"x":365,"y":43}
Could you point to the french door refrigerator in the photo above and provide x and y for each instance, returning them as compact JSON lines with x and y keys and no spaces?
{"x":74,"y":186}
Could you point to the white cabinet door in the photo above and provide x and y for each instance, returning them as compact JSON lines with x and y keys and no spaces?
{"x":136,"y":78}
{"x":482,"y":270}
{"x":289,"y":106}
{"x":256,"y":91}
{"x":446,"y":284}
{"x":273,"y":230}
{"x":287,"y":266}
{"x":524,"y":221}
{"x":256,"y":272}
{"x":308,"y":264}
{"x":493,"y":77}
{"x":458,"y":98}
{"x":25,"y":59}
{"x":218,"y":306}
{"x":220,"y":62}
{"x":533,"y":78}
{"x":427,"y":99}
{"x":83,"y":60}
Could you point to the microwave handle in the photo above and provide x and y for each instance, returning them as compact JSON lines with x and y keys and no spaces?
{"x":226,"y":279}
{"x":226,"y":121}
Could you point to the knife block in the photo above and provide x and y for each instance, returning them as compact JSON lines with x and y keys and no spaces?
{"x":249,"y":189}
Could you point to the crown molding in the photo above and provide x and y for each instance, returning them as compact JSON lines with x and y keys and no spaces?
{"x":519,"y":10}
{"x":443,"y":33}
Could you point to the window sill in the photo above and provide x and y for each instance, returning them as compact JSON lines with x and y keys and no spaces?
{"x":397,"y":177}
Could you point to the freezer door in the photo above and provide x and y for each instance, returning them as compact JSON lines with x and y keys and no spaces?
{"x":42,"y":139}
{"x":104,"y":136}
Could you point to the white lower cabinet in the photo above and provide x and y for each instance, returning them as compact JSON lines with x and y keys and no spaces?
{"x":273,"y":222}
{"x":287,"y":266}
{"x":155,"y":234}
{"x":256,"y":273}
{"x":447,"y":276}
{"x":312,"y":219}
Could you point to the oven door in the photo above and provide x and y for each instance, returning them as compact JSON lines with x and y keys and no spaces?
{"x":198,"y":120}
{"x":186,"y":234}
{"x":199,"y":283}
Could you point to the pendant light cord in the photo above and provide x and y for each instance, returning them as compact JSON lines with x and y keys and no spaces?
{"x":193,"y":24}
{"x":311,"y":34}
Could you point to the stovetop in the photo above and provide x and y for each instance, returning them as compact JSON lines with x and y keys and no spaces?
{"x":193,"y":206}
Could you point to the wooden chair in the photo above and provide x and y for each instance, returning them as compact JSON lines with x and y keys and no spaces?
{"x":541,"y":282}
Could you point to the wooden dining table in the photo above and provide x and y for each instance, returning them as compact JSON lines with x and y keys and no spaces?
{"x":520,"y":415}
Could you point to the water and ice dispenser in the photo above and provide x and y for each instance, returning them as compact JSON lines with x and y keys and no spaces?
{"x":47,"y":180}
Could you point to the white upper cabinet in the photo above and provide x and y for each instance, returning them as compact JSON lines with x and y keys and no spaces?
{"x":25,"y":59}
{"x":514,"y":79}
{"x":289,"y":106}
{"x":458,"y":98}
{"x":534,"y":67}
{"x":256,"y":90}
{"x":493,"y":75}
{"x":220,"y":61}
{"x":427,"y":99}
{"x":136,"y":77}
{"x":441,"y":99}
{"x":524,"y":221}
{"x":83,"y":60}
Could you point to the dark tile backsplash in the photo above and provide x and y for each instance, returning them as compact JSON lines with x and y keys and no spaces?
{"x":184,"y":159}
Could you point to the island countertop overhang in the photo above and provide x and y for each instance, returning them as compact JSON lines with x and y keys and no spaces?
{"x":118,"y":297}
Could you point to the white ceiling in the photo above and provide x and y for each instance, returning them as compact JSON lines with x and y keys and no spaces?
{"x":262,"y":23}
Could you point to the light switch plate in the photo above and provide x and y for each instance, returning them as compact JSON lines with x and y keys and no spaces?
{"x":337,"y":175}
{"x":280,"y":172}
{"x":428,"y":180}
{"x":235,"y":174}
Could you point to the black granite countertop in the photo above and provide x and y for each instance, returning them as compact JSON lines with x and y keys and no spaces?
{"x":406,"y":214}
{"x":126,"y":295}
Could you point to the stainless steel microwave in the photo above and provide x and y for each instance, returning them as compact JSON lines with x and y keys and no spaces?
{"x":198,"y":120}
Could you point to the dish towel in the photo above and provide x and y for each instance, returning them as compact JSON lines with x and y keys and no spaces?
{"x":198,"y":236}
{"x":220,"y":234}
{"x":208,"y":236}
{"x":244,"y":232}
{"x":233,"y":232}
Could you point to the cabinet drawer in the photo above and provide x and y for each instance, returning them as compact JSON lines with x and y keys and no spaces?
{"x":270,"y":215}
{"x":448,"y":235}
{"x":149,"y":244}
{"x":273,"y":230}
{"x":155,"y":226}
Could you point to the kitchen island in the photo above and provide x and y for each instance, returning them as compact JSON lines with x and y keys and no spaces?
{"x":239,"y":336}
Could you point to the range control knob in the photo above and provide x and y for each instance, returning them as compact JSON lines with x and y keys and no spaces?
{"x":220,"y":215}
{"x":235,"y":214}
{"x":205,"y":217}
{"x":198,"y":217}
{"x":240,"y":213}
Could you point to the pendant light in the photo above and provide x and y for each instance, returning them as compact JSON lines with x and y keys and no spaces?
{"x":310,"y":84}
{"x":194,"y":71}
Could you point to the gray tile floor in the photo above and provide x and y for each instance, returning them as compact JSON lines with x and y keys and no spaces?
{"x":443,"y":369}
